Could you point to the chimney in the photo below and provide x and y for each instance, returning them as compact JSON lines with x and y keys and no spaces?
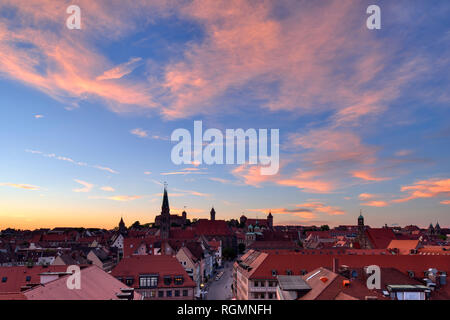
{"x":335,"y":265}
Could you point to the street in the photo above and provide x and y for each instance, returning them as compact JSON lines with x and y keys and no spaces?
{"x":221,"y":289}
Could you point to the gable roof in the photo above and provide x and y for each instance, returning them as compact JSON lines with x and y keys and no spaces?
{"x":380,"y":237}
{"x":96,"y":285}
{"x":404,"y":246}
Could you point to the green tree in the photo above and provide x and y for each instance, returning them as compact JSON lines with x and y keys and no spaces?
{"x":325,"y":227}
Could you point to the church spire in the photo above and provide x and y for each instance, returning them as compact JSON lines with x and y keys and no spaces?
{"x":165,"y":204}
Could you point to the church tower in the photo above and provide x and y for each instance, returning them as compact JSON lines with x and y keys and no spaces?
{"x":270,"y":220}
{"x":122,"y":227}
{"x":362,"y":232}
{"x":213,"y":214}
{"x":165,"y":216}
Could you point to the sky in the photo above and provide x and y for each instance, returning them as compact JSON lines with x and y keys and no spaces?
{"x":86,"y":115}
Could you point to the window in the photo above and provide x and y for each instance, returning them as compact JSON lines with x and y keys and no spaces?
{"x":177,"y":293}
{"x":288,"y":272}
{"x":185,"y":293}
{"x":160,"y":294}
{"x":4,"y":279}
{"x":178,"y":280}
{"x":274,"y":273}
{"x":169,"y":293}
{"x":167,"y":281}
{"x":148,"y":281}
{"x":270,"y":295}
{"x":28,"y":279}
{"x":256,"y":284}
{"x":129,"y":281}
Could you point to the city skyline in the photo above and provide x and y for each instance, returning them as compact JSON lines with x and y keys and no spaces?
{"x":86,"y":115}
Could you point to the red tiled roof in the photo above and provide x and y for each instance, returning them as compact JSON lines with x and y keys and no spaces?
{"x":12,"y":296}
{"x":160,"y":265}
{"x":380,"y":237}
{"x":16,"y":277}
{"x":212,"y":228}
{"x":297,"y":262}
{"x":403,"y":246}
{"x":96,"y":284}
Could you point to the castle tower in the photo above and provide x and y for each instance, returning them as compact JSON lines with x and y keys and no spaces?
{"x":165,"y":216}
{"x":213,"y":214}
{"x":270,"y":220}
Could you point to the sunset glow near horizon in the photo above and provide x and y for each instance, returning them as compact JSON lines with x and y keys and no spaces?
{"x":86,"y":115}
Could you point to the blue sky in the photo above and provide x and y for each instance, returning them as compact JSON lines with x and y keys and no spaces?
{"x":86,"y":115}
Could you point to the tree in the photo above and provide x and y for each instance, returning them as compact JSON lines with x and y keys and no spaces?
{"x":136,"y":225}
{"x":325,"y":227}
{"x":241,"y":248}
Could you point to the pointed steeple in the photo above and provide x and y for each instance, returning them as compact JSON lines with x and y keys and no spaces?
{"x":165,"y":203}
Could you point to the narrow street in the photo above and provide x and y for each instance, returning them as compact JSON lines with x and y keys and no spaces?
{"x":221,"y":289}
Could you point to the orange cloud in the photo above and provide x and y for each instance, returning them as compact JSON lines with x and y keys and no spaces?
{"x":367,"y":176}
{"x":20,"y":186}
{"x":366,"y":196}
{"x":426,"y":189}
{"x":87,"y":187}
{"x":445,"y":202}
{"x":375,"y":203}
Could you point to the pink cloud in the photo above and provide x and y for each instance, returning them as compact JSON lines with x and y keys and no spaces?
{"x":367,"y":175}
{"x":430,"y":188}
{"x":376,"y":203}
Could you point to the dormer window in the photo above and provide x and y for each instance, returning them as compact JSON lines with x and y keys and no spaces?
{"x":178,"y":280}
{"x":4,"y":279}
{"x":129,"y":281}
{"x":274,"y":273}
{"x":167,"y":280}
{"x":148,"y":281}
{"x":289,"y":272}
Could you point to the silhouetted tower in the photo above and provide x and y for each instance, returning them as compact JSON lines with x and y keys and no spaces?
{"x":213,"y":214}
{"x":360,"y":220}
{"x":122,"y":227}
{"x":270,"y":220}
{"x":165,"y":216}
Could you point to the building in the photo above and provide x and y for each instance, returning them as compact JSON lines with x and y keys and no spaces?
{"x":165,"y":220}
{"x":155,"y":277}
{"x":96,"y":285}
{"x":101,"y":259}
{"x":255,"y":273}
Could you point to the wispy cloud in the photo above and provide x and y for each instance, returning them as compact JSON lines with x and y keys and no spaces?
{"x":375,"y":203}
{"x":139,"y":133}
{"x":108,"y":189}
{"x":430,"y":188}
{"x":20,"y":186}
{"x":121,"y":70}
{"x":38,"y":116}
{"x":119,"y":198}
{"x":367,"y":175}
{"x":70,"y":160}
{"x":184,"y":171}
{"x":87,"y":187}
